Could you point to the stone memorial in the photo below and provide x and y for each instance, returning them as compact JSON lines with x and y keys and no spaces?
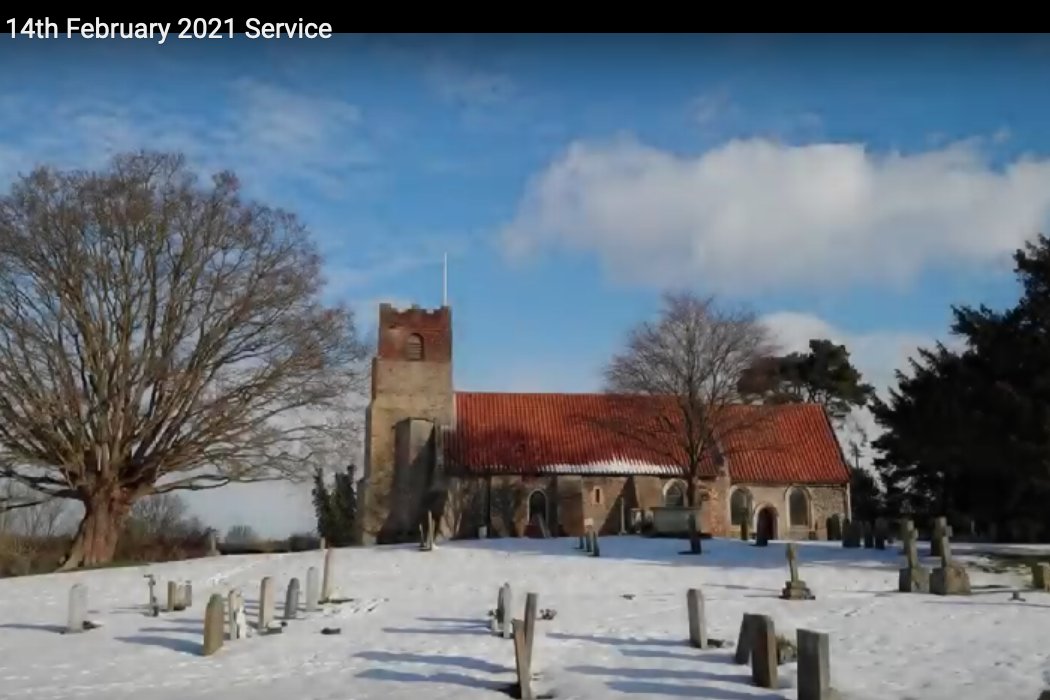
{"x":503,"y":610}
{"x":291,"y":600}
{"x":213,"y":623}
{"x":1041,"y":576}
{"x":173,"y":596}
{"x":313,"y":589}
{"x":913,"y":578}
{"x":940,"y":529}
{"x":795,"y":588}
{"x":697,"y":624}
{"x":949,"y":578}
{"x":814,"y":666}
{"x":326,"y":578}
{"x":266,"y":604}
{"x":742,"y":653}
{"x":77,"y":618}
{"x":764,"y":657}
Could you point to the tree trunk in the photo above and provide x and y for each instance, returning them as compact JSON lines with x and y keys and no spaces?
{"x":96,"y":540}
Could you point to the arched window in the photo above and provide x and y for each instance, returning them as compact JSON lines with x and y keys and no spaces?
{"x":740,"y":507}
{"x":798,"y":508}
{"x":414,"y":347}
{"x":674,"y":495}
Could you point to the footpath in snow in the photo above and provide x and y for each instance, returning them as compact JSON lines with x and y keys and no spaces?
{"x":417,"y":627}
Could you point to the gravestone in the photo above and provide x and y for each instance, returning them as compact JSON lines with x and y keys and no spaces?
{"x":213,"y":622}
{"x":326,"y":578}
{"x":881,"y":533}
{"x":291,"y":600}
{"x":795,"y":588}
{"x":763,"y":652}
{"x":187,"y":594}
{"x":695,"y":547}
{"x":588,"y":541}
{"x":266,"y":604}
{"x":851,"y":534}
{"x":237,"y":623}
{"x":77,"y":620}
{"x":173,"y":596}
{"x":940,"y":530}
{"x":212,"y":545}
{"x":522,"y":660}
{"x":742,"y":653}
{"x":532,"y":601}
{"x":868,"y":534}
{"x":581,"y":546}
{"x":745,"y":530}
{"x":834,"y":527}
{"x":1041,"y":576}
{"x":814,"y":666}
{"x":312,"y":589}
{"x":503,"y":609}
{"x":907,"y":529}
{"x":697,"y":624}
{"x":596,"y":549}
{"x":949,"y":578}
{"x":180,"y":598}
{"x":913,"y":578}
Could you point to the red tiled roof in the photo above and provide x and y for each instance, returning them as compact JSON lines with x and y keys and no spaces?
{"x":585,"y":433}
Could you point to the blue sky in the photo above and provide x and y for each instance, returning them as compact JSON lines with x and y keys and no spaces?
{"x":850,"y":187}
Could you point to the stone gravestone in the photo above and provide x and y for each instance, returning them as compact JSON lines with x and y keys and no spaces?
{"x":596,"y":549}
{"x":868,"y":534}
{"x":266,"y":604}
{"x":1041,"y":576}
{"x":173,"y":596}
{"x":907,"y":530}
{"x":326,"y":578}
{"x":913,"y":578}
{"x":881,"y":533}
{"x":745,"y":530}
{"x":212,"y":545}
{"x":694,"y":536}
{"x":587,"y":541}
{"x":77,"y":620}
{"x":291,"y":600}
{"x":503,"y":609}
{"x":851,"y":534}
{"x":532,"y":601}
{"x":949,"y":578}
{"x":742,"y":653}
{"x":940,"y":529}
{"x":312,"y":589}
{"x":582,"y":545}
{"x":763,"y":652}
{"x":697,"y":624}
{"x":234,"y":613}
{"x":795,"y":588}
{"x":814,"y":666}
{"x":834,"y":527}
{"x":154,"y":606}
{"x":187,"y":594}
{"x":522,"y":661}
{"x":213,"y":619}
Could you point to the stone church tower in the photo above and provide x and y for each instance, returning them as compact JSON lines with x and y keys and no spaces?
{"x":412,"y":400}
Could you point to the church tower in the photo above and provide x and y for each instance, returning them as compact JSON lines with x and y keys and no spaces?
{"x":412,"y":397}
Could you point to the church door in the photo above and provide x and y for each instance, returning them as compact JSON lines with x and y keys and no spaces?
{"x":767,"y":524}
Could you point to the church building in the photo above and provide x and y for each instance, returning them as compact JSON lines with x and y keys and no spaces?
{"x":519,"y":464}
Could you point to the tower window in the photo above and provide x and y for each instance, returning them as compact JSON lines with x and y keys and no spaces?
{"x":598,"y":496}
{"x":414,"y":348}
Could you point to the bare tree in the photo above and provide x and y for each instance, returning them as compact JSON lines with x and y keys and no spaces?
{"x":679,"y":376}
{"x":39,"y":518}
{"x":158,"y":515}
{"x":160,"y":333}
{"x":241,"y":534}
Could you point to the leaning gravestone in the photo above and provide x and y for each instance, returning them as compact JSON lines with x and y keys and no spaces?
{"x":763,"y":652}
{"x":742,"y":653}
{"x":291,"y":600}
{"x":949,"y":578}
{"x":913,"y":578}
{"x":77,"y":621}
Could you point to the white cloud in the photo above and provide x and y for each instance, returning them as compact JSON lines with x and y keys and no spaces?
{"x":755,"y":215}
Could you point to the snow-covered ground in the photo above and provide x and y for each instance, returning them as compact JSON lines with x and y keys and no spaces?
{"x":417,"y":627}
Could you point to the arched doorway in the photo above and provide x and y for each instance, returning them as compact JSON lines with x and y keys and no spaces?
{"x":767,"y":523}
{"x":537,"y":525}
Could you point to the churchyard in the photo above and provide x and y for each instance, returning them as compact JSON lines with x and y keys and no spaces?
{"x":472,"y":619}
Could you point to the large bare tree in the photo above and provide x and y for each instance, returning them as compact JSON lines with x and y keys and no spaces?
{"x":679,"y":375}
{"x":159,"y":333}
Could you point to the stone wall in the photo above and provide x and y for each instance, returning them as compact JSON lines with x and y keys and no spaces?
{"x":823,"y":501}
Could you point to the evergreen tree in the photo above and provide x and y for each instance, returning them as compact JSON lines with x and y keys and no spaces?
{"x":323,"y":510}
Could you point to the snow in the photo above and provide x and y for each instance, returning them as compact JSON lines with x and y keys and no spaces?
{"x":417,"y":627}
